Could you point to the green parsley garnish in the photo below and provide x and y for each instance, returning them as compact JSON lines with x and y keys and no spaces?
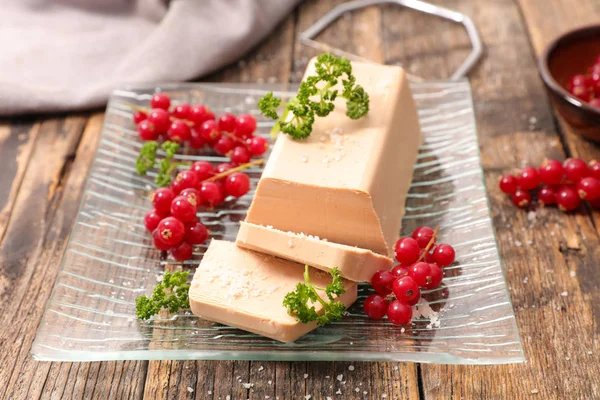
{"x":147,"y":160}
{"x":297,"y":303}
{"x":170,"y":294}
{"x":330,"y":69}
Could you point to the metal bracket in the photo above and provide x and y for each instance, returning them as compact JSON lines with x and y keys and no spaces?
{"x":307,"y":36}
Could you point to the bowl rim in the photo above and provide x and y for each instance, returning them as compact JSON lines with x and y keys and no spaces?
{"x":549,"y":79}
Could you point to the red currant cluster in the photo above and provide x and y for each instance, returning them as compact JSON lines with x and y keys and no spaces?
{"x":587,"y":86}
{"x":196,"y":125}
{"x":564,"y":184}
{"x":420,"y":267}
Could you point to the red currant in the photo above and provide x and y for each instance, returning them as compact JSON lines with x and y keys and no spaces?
{"x":246,"y":125}
{"x":195,"y":233}
{"x":382,"y":282}
{"x":223,"y":167}
{"x":139,"y":116}
{"x":528,"y":178}
{"x":399,"y":271}
{"x":183,"y":209}
{"x":151,"y":220}
{"x":146,"y":130}
{"x":160,"y":119}
{"x":547,"y":195}
{"x":198,"y":114}
{"x":158,"y":242}
{"x":161,"y":200}
{"x":209,"y":193}
{"x":399,"y":313}
{"x":203,"y":169}
{"x":258,"y":145}
{"x":551,"y":172}
{"x":429,"y":257}
{"x":187,"y":179}
{"x":182,"y":252}
{"x":508,"y":184}
{"x":177,"y":186}
{"x":182,"y":111}
{"x":406,"y":289}
{"x":209,"y":131}
{"x":589,"y":188}
{"x":582,"y":92}
{"x":595,"y":169}
{"x":407,"y":251}
{"x":423,"y":236}
{"x":375,"y":306}
{"x":196,"y":141}
{"x":443,"y":255}
{"x":192,"y":195}
{"x":224,"y":145}
{"x":575,"y":169}
{"x":240,"y":155}
{"x":227,"y":123}
{"x":567,"y":198}
{"x":436,"y":276}
{"x":237,"y":184}
{"x":171,"y":230}
{"x":521,"y":198}
{"x":578,"y":80}
{"x":421,"y":273}
{"x":179,"y":132}
{"x":160,"y":100}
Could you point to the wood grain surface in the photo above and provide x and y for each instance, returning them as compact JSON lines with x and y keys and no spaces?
{"x":551,"y":259}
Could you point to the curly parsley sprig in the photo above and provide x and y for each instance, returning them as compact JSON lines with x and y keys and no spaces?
{"x":297,"y":302}
{"x":316,"y":97}
{"x":147,"y":160}
{"x":170,"y":294}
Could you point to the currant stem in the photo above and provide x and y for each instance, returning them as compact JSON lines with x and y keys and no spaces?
{"x":236,"y":169}
{"x":429,"y":245}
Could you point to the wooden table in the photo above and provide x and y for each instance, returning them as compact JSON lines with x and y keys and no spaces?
{"x":552,"y":262}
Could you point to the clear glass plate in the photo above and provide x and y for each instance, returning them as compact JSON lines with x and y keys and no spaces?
{"x":109,"y":260}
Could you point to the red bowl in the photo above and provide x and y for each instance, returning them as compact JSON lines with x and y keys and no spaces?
{"x":570,"y":54}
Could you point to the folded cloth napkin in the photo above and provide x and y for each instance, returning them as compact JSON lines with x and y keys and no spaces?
{"x":59,"y":55}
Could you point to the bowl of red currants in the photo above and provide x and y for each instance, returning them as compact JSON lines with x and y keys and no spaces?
{"x":570,"y":68}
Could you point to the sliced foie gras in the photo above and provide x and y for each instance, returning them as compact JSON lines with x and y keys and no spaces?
{"x":348,"y":181}
{"x":245,"y":289}
{"x":354,"y":264}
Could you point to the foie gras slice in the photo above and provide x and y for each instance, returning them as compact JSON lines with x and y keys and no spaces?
{"x":348,"y":181}
{"x":354,"y":264}
{"x":245,"y":289}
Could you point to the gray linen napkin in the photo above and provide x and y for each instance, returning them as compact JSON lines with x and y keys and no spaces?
{"x":58,"y":55}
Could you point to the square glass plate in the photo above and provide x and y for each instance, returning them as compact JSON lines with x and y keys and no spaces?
{"x":109,"y":260}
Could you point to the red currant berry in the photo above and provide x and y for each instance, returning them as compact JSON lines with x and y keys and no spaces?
{"x":436,"y":276}
{"x":567,"y":198}
{"x":177,"y":186}
{"x":382,"y":282}
{"x":183,"y":209}
{"x":423,"y":236}
{"x":521,"y":198}
{"x":182,"y":111}
{"x":223,"y":167}
{"x":195,"y":233}
{"x":508,"y":184}
{"x":171,"y":230}
{"x":158,"y":242}
{"x":429,"y":257}
{"x":421,"y":273}
{"x":528,"y":178}
{"x":210,"y":193}
{"x":139,"y":116}
{"x":595,"y":102}
{"x":187,"y":179}
{"x":196,"y":141}
{"x":198,"y":114}
{"x":179,"y":132}
{"x":209,"y":131}
{"x":406,"y":289}
{"x":399,"y":271}
{"x":192,"y":195}
{"x":407,"y":251}
{"x":595,"y":169}
{"x":375,"y":306}
{"x":443,"y":255}
{"x":161,"y":200}
{"x":160,"y":119}
{"x":575,"y":169}
{"x":146,"y":131}
{"x":578,"y":80}
{"x":551,"y":172}
{"x":589,"y":188}
{"x":547,"y":195}
{"x":399,"y":313}
{"x":160,"y":100}
{"x":582,"y":92}
{"x":246,"y":125}
{"x":240,"y":155}
{"x":224,"y":145}
{"x":151,"y":220}
{"x":237,"y":184}
{"x":227,"y":123}
{"x":258,"y":145}
{"x":182,"y":252}
{"x":203,"y":169}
